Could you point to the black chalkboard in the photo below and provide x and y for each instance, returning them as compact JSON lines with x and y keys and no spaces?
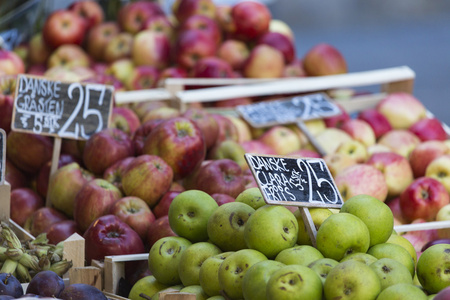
{"x":2,"y":155}
{"x":285,"y":111}
{"x":294,"y":181}
{"x":63,"y":109}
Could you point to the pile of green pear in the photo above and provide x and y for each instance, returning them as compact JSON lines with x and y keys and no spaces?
{"x":250,"y":250}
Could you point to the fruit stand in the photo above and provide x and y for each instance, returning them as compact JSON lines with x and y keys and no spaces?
{"x":196,"y":155}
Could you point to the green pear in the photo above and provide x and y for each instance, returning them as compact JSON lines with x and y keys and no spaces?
{"x":255,"y":279}
{"x":226,"y":225}
{"x":233,"y":269}
{"x":294,"y":282}
{"x":147,"y":286}
{"x":362,"y":257}
{"x":351,"y":279}
{"x":271,"y":229}
{"x":192,"y":259}
{"x":395,"y":252}
{"x":251,"y":196}
{"x":209,"y":273}
{"x":342,"y":234}
{"x":196,"y":290}
{"x":164,"y":257}
{"x":433,"y":268}
{"x":401,"y":291}
{"x":189,"y":213}
{"x":318,"y":215}
{"x":375,"y":214}
{"x":322,"y":267}
{"x":299,"y":255}
{"x":391,"y":272}
{"x":405,"y":243}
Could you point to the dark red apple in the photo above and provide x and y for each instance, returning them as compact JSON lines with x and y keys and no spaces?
{"x":376,"y":120}
{"x":89,"y":10}
{"x":222,"y":198}
{"x":172,"y":72}
{"x":251,"y":19}
{"x":162,"y":208}
{"x":15,"y":177}
{"x":98,"y":37}
{"x":61,"y":230}
{"x":429,"y":129}
{"x":133,"y":16}
{"x":158,"y":229}
{"x":183,"y":9}
{"x":192,"y":45}
{"x":41,"y":219}
{"x":24,"y":201}
{"x":227,"y":130}
{"x":142,"y":77}
{"x":63,"y":27}
{"x":205,"y":24}
{"x":212,"y":67}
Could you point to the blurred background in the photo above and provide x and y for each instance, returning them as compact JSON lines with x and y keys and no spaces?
{"x":371,"y":34}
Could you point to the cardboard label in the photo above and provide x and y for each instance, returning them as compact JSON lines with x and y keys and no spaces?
{"x":269,"y":113}
{"x":62,"y":109}
{"x":294,"y":181}
{"x":2,"y":156}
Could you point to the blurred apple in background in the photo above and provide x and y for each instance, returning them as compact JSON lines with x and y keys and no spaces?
{"x":158,"y":229}
{"x":224,"y":19}
{"x":443,"y":215}
{"x":162,"y":24}
{"x":7,"y":91}
{"x":400,"y":141}
{"x":227,"y":130}
{"x":119,"y":46}
{"x":15,"y":177}
{"x":337,"y":120}
{"x":151,"y":48}
{"x":90,"y":11}
{"x":336,"y":162}
{"x":429,"y":129}
{"x":330,"y":139}
{"x":324,"y":59}
{"x":222,"y":198}
{"x":121,"y":69}
{"x":264,"y":61}
{"x":41,"y":219}
{"x":60,"y":231}
{"x":64,"y":27}
{"x":24,"y":201}
{"x":379,"y":123}
{"x":114,"y":173}
{"x":205,"y":24}
{"x":401,"y":109}
{"x":251,"y":19}
{"x":282,"y":27}
{"x":39,"y":51}
{"x":206,"y":122}
{"x":257,"y":146}
{"x":280,"y":42}
{"x":186,"y":8}
{"x":234,"y":52}
{"x":10,"y":63}
{"x":133,"y":16}
{"x":212,"y":67}
{"x":424,"y":153}
{"x":359,"y":130}
{"x":161,"y":113}
{"x":98,"y":37}
{"x":125,"y":119}
{"x":282,"y":139}
{"x":192,"y":45}
{"x":439,"y":169}
{"x":68,"y":56}
{"x":142,"y":77}
{"x":355,"y":149}
{"x":294,"y":69}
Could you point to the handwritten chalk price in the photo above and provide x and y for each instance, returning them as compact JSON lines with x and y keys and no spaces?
{"x":55,"y":108}
{"x":294,"y":181}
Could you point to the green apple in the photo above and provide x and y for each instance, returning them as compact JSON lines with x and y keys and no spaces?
{"x":402,"y":291}
{"x":189,"y":213}
{"x":174,"y":288}
{"x":164,"y":257}
{"x":294,"y":282}
{"x":271,"y":229}
{"x":361,"y":257}
{"x":433,"y":268}
{"x":226,"y":225}
{"x":209,"y":273}
{"x":318,"y":215}
{"x":375,"y":214}
{"x":196,"y":290}
{"x":396,"y":252}
{"x":391,"y":272}
{"x":322,"y":267}
{"x":251,"y":196}
{"x":147,"y":286}
{"x":405,"y":243}
{"x":351,"y":279}
{"x":192,"y":259}
{"x":255,"y":279}
{"x":233,"y":269}
{"x":342,"y":234}
{"x":299,"y":255}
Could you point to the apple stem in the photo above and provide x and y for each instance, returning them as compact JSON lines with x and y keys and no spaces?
{"x":145,"y":296}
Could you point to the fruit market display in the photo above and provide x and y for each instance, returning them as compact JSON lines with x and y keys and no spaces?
{"x":175,"y":184}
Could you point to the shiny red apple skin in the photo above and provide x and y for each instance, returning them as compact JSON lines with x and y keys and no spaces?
{"x":106,"y":147}
{"x":63,"y":27}
{"x":125,"y":119}
{"x":60,"y":231}
{"x":324,"y":59}
{"x":135,"y":212}
{"x":429,"y":129}
{"x":192,"y":45}
{"x":162,"y":208}
{"x":251,"y":19}
{"x":41,"y":219}
{"x":424,"y":153}
{"x":24,"y":201}
{"x":423,"y":198}
{"x":376,"y":120}
{"x":180,"y":142}
{"x":109,"y":235}
{"x":158,"y":229}
{"x":90,"y":11}
{"x":93,"y":201}
{"x":281,"y":42}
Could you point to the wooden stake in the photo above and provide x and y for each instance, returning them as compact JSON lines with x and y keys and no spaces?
{"x":74,"y":250}
{"x":86,"y":275}
{"x":55,"y":161}
{"x":5,"y":199}
{"x":310,"y":227}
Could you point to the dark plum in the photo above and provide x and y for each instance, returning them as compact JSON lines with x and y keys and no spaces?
{"x":10,"y":285}
{"x":81,"y":291}
{"x":47,"y":284}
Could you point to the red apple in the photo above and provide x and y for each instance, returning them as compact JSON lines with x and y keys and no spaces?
{"x":142,"y":77}
{"x":172,"y":72}
{"x":148,"y":177}
{"x":28,"y":152}
{"x":162,"y":208}
{"x":222,"y":198}
{"x":135,"y":212}
{"x":141,"y":134}
{"x":10,"y":63}
{"x":24,"y":201}
{"x":324,"y":59}
{"x":294,"y":69}
{"x":191,"y":46}
{"x":133,"y":16}
{"x":227,"y":130}
{"x":7,"y":90}
{"x":423,"y":154}
{"x":429,"y":129}
{"x":359,"y":130}
{"x":125,"y":119}
{"x":151,"y":48}
{"x":212,"y":67}
{"x":68,"y":56}
{"x":89,"y":10}
{"x":337,"y":120}
{"x":41,"y":219}
{"x":60,"y":231}
{"x":264,"y":61}
{"x":15,"y":177}
{"x":206,"y":122}
{"x":161,"y":24}
{"x":186,"y":8}
{"x":106,"y":147}
{"x":234,"y":52}
{"x":205,"y":24}
{"x":251,"y":19}
{"x":281,"y":42}
{"x":63,"y":27}
{"x":98,"y":37}
{"x":224,"y":19}
{"x":114,"y":173}
{"x":222,"y":176}
{"x":109,"y":235}
{"x":376,"y":120}
{"x":257,"y":147}
{"x":423,"y":198}
{"x":161,"y":113}
{"x":180,"y":142}
{"x":158,"y":229}
{"x":394,"y":205}
{"x":39,"y":51}
{"x":282,"y":139}
{"x":142,"y":108}
{"x":93,"y":201}
{"x":118,"y":47}
{"x":304,"y":153}
{"x":400,"y":141}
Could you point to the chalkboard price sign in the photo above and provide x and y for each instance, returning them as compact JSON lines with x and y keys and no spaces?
{"x":294,"y":181}
{"x":300,"y":108}
{"x":61,"y":109}
{"x":2,"y":155}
